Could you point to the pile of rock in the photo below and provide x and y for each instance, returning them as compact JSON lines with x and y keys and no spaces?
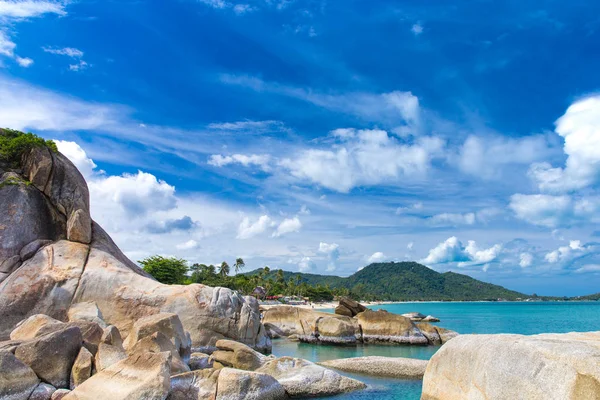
{"x":46,"y":359}
{"x":349,"y":307}
{"x":367,"y":326}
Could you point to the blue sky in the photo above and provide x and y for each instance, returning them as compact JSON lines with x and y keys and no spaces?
{"x":321,"y":136}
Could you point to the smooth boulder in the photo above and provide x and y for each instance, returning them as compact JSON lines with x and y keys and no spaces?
{"x":43,"y":391}
{"x":82,"y":368}
{"x":237,"y":355}
{"x":393,"y":367}
{"x":384,"y":327}
{"x":503,"y":367}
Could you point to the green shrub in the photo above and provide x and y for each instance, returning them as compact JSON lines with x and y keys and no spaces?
{"x":13,"y":144}
{"x":171,"y":270}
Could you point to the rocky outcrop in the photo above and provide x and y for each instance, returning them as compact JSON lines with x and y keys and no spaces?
{"x":393,"y":367}
{"x":503,"y":367}
{"x":349,"y":307}
{"x":17,"y":380}
{"x":302,"y":378}
{"x":141,"y":376}
{"x":384,"y":327}
{"x":333,"y":330}
{"x":237,"y":355}
{"x":82,"y":368}
{"x":55,"y":260}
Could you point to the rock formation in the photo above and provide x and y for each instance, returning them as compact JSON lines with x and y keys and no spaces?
{"x":503,"y":367}
{"x":55,"y":260}
{"x":394,"y":367}
{"x":365,"y":327}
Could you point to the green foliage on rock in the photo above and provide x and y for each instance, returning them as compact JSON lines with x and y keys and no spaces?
{"x":13,"y":144}
{"x":171,"y":270}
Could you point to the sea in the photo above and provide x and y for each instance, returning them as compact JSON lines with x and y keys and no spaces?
{"x":525,"y":318}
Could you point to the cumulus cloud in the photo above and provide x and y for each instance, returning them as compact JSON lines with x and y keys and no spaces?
{"x":332,"y":251}
{"x":417,"y":29}
{"x":565,"y":253}
{"x":580,"y":128}
{"x":184,"y":223}
{"x":370,"y":157}
{"x":248,"y":229}
{"x":526,"y":259}
{"x":306,"y":264}
{"x":555,"y":211}
{"x":189,"y":245}
{"x":11,"y":9}
{"x":78,"y":156}
{"x":24,"y":61}
{"x":453,"y":251}
{"x":376,"y":257}
{"x":288,"y":225}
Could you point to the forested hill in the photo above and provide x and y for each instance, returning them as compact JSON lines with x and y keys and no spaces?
{"x":401,"y":281}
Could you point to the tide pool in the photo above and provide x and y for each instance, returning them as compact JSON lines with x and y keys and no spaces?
{"x":525,"y":318}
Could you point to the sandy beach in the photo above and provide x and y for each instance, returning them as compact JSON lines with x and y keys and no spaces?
{"x":329,"y":304}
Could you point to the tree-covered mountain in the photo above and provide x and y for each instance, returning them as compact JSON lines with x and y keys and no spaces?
{"x":398,"y":281}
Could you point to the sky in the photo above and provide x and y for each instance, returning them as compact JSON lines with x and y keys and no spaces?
{"x":321,"y":136}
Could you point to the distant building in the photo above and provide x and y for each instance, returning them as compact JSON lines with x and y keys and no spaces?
{"x":259,"y":292}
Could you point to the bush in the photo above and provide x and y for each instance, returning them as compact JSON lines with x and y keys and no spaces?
{"x":13,"y":144}
{"x":171,"y":271}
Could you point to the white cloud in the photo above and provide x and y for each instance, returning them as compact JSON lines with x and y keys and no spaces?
{"x":417,"y":29}
{"x":394,"y":108}
{"x":261,"y":161}
{"x":555,"y":211}
{"x":589,"y":268}
{"x":306,"y":264}
{"x":248,"y":229}
{"x":452,"y":219}
{"x":66,"y":51}
{"x":288,"y":225}
{"x":304,"y":210}
{"x":189,"y":245}
{"x":565,"y":253}
{"x":580,"y":128}
{"x":19,"y":9}
{"x":240,"y":9}
{"x":453,"y":251}
{"x":526,"y":259}
{"x":77,"y":155}
{"x":7,"y":46}
{"x":80,"y":66}
{"x":371,"y":157}
{"x":24,"y":62}
{"x":376,"y":257}
{"x":413,"y":208}
{"x":410,"y":246}
{"x":248,"y":125}
{"x":332,"y":250}
{"x":488,"y":156}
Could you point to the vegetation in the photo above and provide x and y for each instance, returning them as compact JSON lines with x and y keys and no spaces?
{"x":380,"y":281}
{"x":13,"y":144}
{"x":172,"y":271}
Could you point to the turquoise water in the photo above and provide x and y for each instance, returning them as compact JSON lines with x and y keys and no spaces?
{"x":478,"y":317}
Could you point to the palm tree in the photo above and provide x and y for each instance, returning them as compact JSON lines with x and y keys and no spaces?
{"x":280,"y":278}
{"x":224,"y":269}
{"x":239,"y":265}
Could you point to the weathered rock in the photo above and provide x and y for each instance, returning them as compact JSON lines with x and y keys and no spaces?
{"x":414,"y":316}
{"x":82,"y":368}
{"x":238,"y":355}
{"x":35,"y":326}
{"x":244,"y":385}
{"x":91,"y":333}
{"x":282,"y":321}
{"x":384,"y":327}
{"x":166,"y":323}
{"x":158,"y":343}
{"x":60,"y":394}
{"x":108,"y":355}
{"x":26,"y":216}
{"x":354,"y":306}
{"x":394,"y":367}
{"x":87,"y":311}
{"x":10,"y":345}
{"x":29,"y":250}
{"x":10,"y":264}
{"x":112,"y":336}
{"x":446,"y":334}
{"x":195,"y":385}
{"x":141,"y":376}
{"x":502,"y":367}
{"x":302,"y":378}
{"x":45,"y":284}
{"x":334,"y":330}
{"x":343,"y":310}
{"x":431,"y":318}
{"x":434,"y":334}
{"x":17,"y":380}
{"x":43,"y":391}
{"x":200,"y":361}
{"x":79,"y":227}
{"x":51,"y":356}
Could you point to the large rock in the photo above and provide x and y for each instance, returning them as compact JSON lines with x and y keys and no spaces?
{"x":82,"y":368}
{"x":334,"y":330}
{"x":141,"y":376}
{"x":394,"y":367}
{"x":354,"y":306}
{"x":51,"y":356}
{"x":108,"y":355}
{"x":17,"y":380}
{"x":238,"y":355}
{"x":35,"y":326}
{"x":302,"y":378}
{"x":51,"y":278}
{"x":200,"y":361}
{"x":343,"y":310}
{"x":384,"y":327}
{"x":158,"y":343}
{"x":503,"y":367}
{"x":43,"y":391}
{"x":434,"y":334}
{"x":283,"y":321}
{"x":225,"y":384}
{"x":87,"y":311}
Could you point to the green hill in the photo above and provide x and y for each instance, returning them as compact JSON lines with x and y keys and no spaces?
{"x":398,"y":281}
